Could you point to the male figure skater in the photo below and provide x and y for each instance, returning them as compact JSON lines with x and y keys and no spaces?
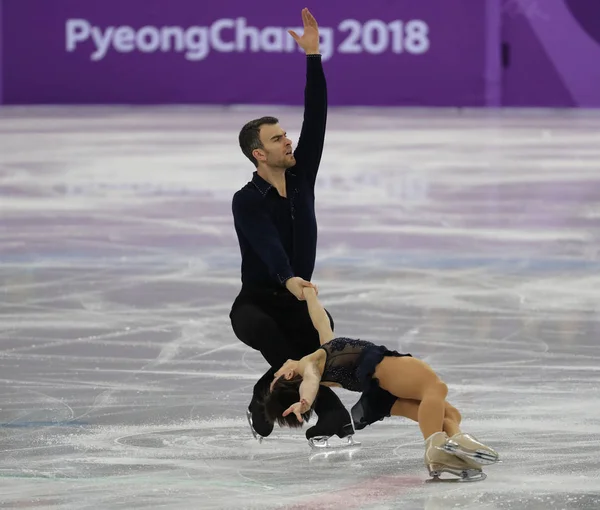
{"x":274,"y":217}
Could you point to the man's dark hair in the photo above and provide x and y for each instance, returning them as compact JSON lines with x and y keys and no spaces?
{"x":249,"y":136}
{"x":284,"y":394}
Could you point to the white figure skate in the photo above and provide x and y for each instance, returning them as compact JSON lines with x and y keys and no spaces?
{"x":468,"y":448}
{"x":439,"y":461}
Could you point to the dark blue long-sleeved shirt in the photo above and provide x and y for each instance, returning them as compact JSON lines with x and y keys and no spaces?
{"x":277,"y":235}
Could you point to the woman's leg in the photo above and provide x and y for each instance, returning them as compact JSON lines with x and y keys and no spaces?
{"x":454,"y":416}
{"x":410,"y":409}
{"x":468,"y":447}
{"x":411,"y":378}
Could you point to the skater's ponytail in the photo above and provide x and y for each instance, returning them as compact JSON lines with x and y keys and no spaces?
{"x":284,"y":394}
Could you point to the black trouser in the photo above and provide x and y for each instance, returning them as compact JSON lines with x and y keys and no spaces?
{"x":279,"y":326}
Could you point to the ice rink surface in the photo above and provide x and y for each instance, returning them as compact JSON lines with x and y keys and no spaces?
{"x":469,"y":239}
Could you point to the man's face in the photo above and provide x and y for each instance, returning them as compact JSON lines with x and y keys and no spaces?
{"x":277,"y":147}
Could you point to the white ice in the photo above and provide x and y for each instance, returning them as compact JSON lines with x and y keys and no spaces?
{"x":470,"y":239}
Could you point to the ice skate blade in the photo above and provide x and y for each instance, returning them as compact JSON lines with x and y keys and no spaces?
{"x":482,"y":457}
{"x":326,"y":442}
{"x":258,"y":437}
{"x":461,"y":475}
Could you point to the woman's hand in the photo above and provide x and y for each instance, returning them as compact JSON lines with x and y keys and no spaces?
{"x":298,"y":409}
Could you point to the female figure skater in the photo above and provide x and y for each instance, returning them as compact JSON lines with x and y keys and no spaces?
{"x":391,"y":384}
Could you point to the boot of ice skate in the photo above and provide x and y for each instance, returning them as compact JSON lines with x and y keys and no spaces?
{"x":439,"y":461}
{"x":259,"y":425}
{"x":330,"y":424}
{"x":468,"y":448}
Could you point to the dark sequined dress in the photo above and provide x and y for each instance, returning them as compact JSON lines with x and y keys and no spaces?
{"x":351,"y":363}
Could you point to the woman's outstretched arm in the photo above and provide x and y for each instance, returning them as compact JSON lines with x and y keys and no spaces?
{"x":318,"y":315}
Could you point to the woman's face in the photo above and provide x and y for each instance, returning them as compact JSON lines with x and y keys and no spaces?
{"x":273,"y":382}
{"x":288,"y":375}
